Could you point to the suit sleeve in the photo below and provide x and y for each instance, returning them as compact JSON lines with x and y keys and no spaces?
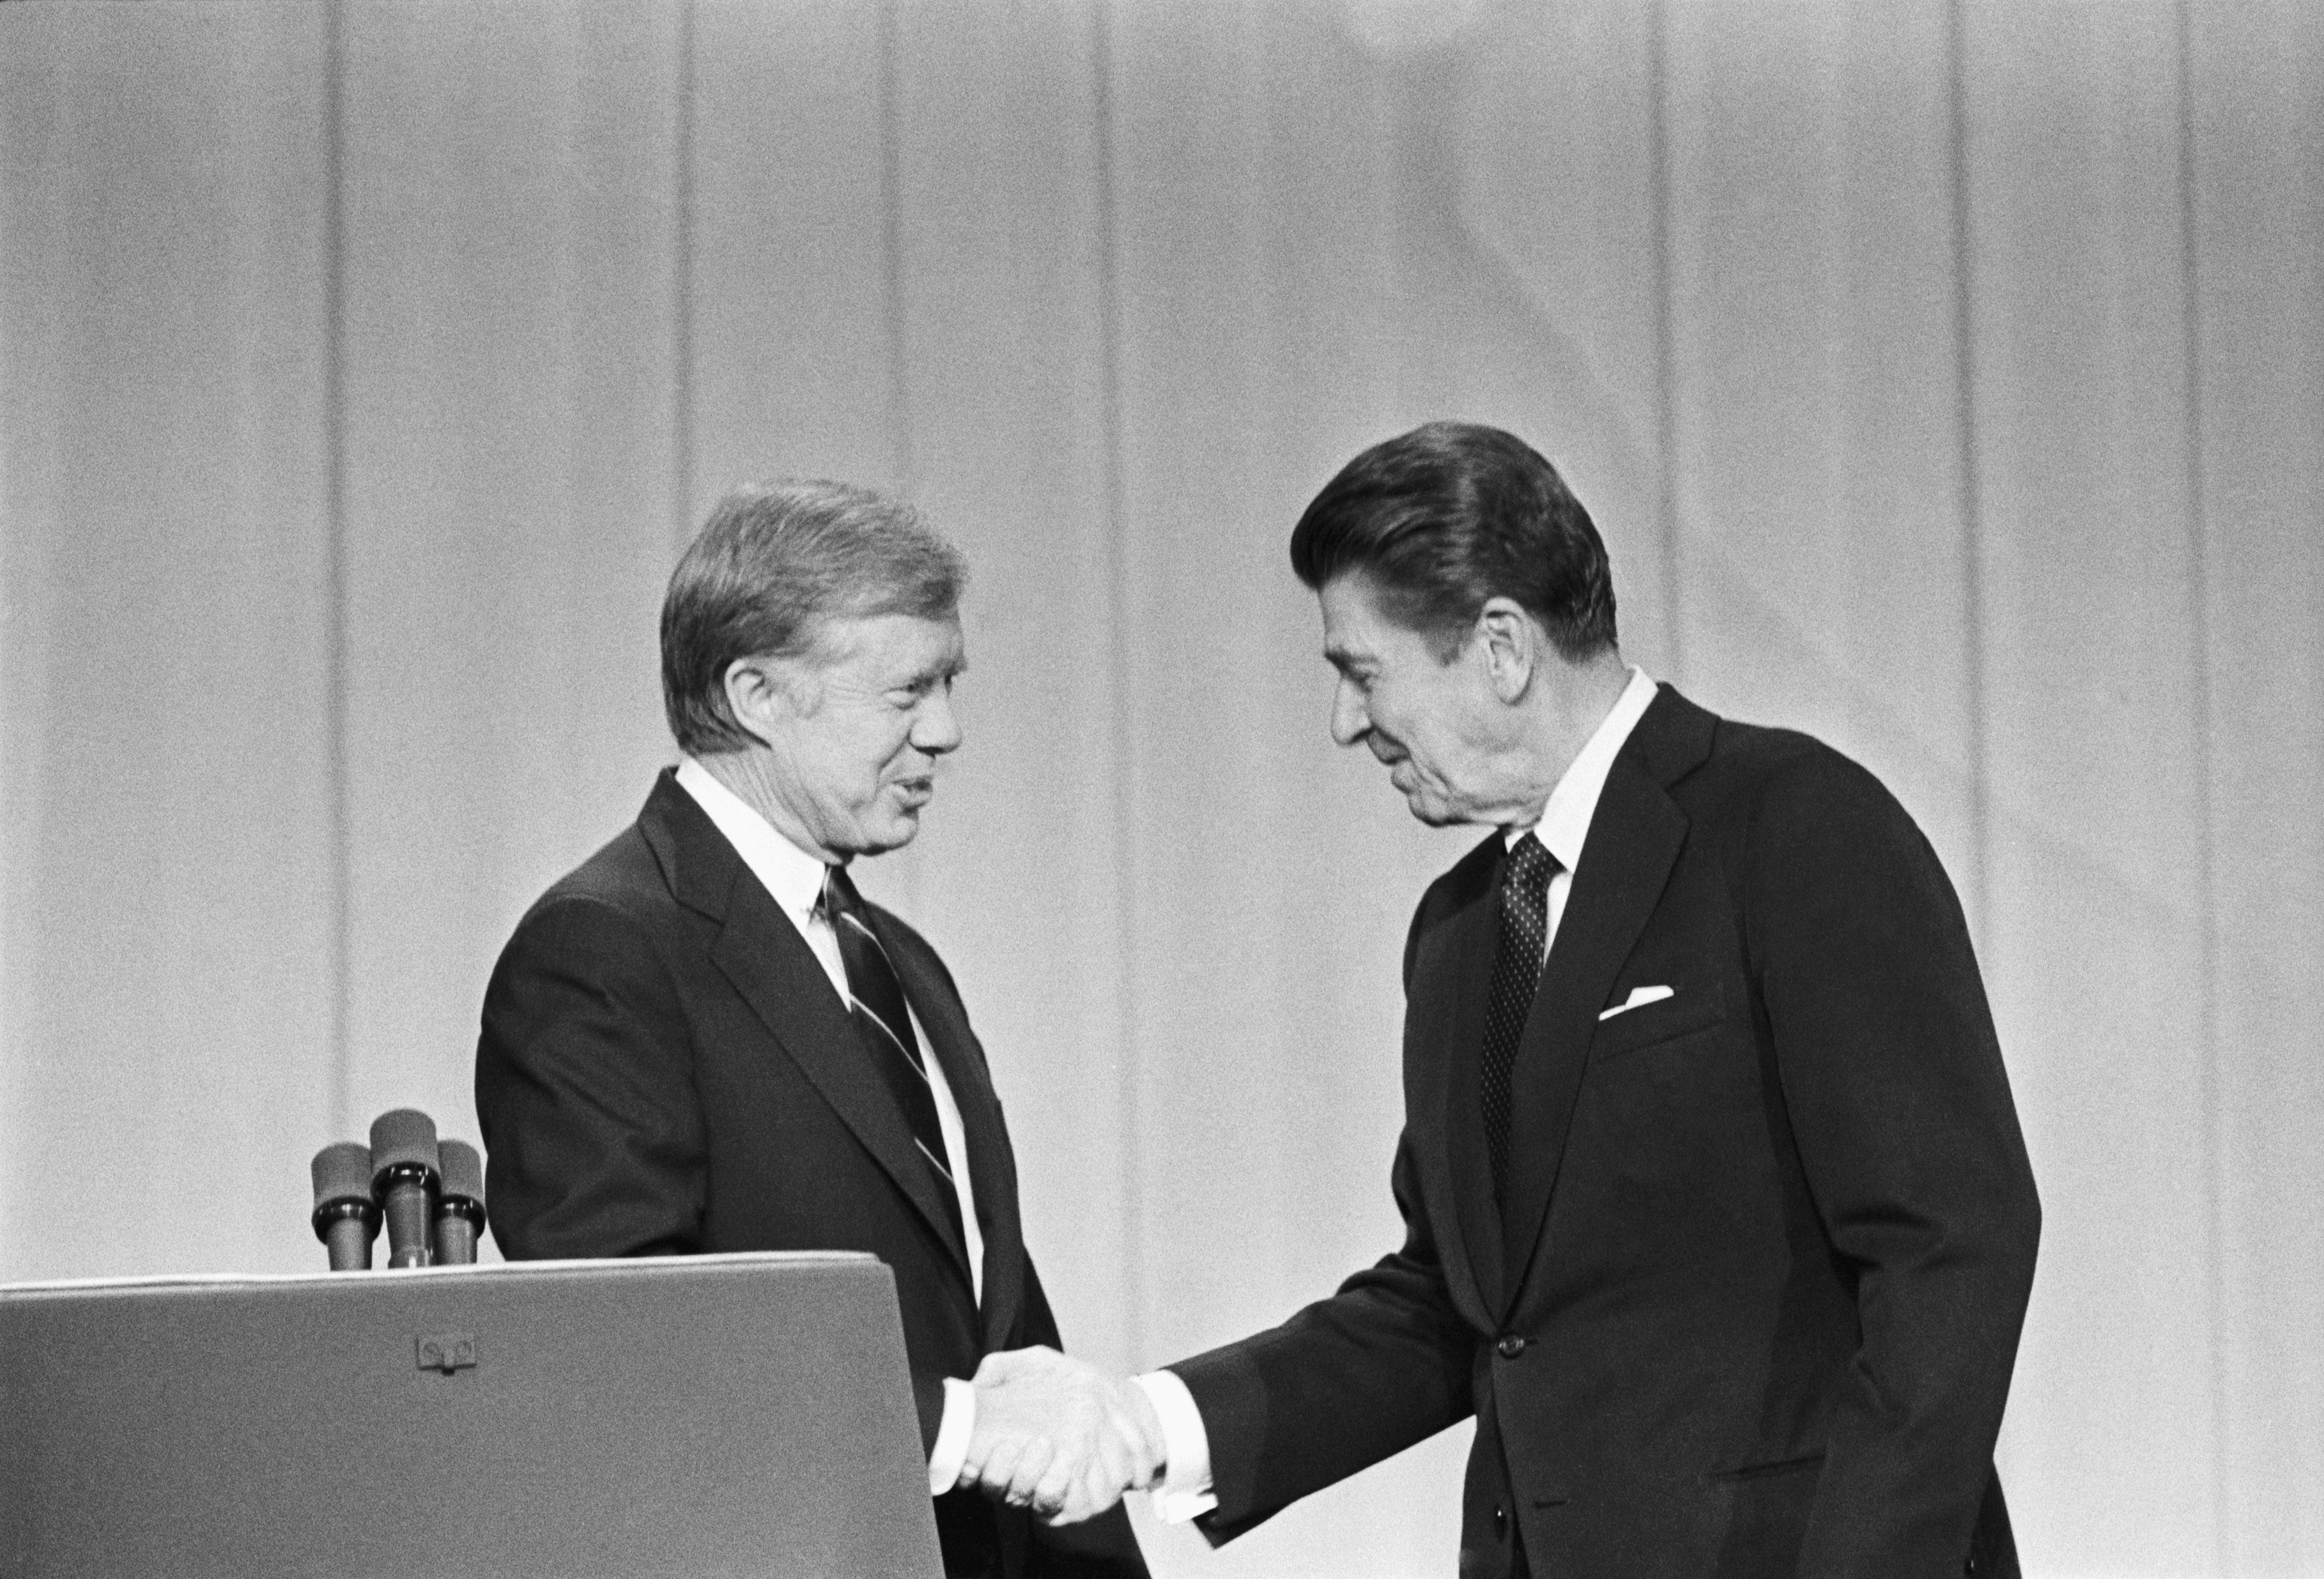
{"x":584,"y":1088}
{"x":1346,"y":1382}
{"x":1900,"y":1107}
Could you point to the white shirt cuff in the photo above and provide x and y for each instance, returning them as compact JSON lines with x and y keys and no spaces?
{"x":1185,"y":1492}
{"x":951,"y":1449}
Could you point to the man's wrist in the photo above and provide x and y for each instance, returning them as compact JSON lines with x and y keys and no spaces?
{"x":1140,"y":1402}
{"x":1185,"y":1492}
{"x":950,"y":1450}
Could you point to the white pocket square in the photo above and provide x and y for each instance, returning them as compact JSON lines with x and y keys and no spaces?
{"x":1638,"y":999}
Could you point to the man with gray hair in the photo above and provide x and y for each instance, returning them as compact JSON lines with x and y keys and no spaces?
{"x":703,"y":1038}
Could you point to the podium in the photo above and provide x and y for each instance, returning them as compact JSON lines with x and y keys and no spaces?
{"x":685,"y":1416}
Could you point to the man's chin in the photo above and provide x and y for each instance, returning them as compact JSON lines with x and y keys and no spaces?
{"x":891,"y":832}
{"x":896,"y":830}
{"x":1432,"y":813}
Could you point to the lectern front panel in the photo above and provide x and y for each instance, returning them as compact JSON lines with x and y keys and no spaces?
{"x":691,"y":1415}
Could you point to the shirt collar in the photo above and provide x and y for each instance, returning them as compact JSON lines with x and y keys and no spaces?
{"x":793,"y":877}
{"x":1564,"y":822}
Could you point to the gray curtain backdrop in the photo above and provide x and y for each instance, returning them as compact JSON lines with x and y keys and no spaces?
{"x":1946,"y":375}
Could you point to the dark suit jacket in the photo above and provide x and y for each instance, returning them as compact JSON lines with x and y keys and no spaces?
{"x":1753,"y":1302}
{"x":665,"y":1068}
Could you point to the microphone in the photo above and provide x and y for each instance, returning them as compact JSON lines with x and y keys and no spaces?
{"x":346,"y":1219}
{"x":460,"y":1205}
{"x":403,"y":1164}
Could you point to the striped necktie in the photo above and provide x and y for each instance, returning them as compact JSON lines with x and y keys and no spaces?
{"x":1517,"y":973}
{"x":875,"y":999}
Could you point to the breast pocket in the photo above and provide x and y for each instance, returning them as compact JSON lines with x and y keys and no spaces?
{"x":1692,"y":1007}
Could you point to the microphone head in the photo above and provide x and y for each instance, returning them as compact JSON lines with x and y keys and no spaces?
{"x":464,"y":1172}
{"x":402,"y":1138}
{"x":342,"y":1173}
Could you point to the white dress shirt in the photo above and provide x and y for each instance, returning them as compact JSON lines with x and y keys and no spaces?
{"x":794,"y":879}
{"x":1185,"y":1489}
{"x":1564,"y":822}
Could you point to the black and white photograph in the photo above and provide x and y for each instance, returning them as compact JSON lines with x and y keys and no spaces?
{"x":1162,"y":789}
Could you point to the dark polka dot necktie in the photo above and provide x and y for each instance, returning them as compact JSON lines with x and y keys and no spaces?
{"x":884,"y":1026}
{"x":1516,"y":972}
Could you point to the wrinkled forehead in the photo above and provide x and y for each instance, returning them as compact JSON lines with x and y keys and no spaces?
{"x":899,"y":647}
{"x":1366,"y":624}
{"x":1355,"y":626}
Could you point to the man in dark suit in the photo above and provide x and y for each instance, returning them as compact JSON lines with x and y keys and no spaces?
{"x":1717,"y":1213}
{"x":703,"y":1038}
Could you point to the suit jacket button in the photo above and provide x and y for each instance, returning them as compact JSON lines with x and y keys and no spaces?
{"x":1500,"y":1522}
{"x":1510,"y":1346}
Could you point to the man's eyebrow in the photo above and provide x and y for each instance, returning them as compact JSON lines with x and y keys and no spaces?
{"x":1340,"y":657}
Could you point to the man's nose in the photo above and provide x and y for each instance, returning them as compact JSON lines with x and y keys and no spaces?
{"x":1350,"y":721}
{"x":937,"y":728}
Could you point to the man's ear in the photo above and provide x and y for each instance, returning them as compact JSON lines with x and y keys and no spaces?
{"x":1510,"y":641}
{"x":761,"y":695}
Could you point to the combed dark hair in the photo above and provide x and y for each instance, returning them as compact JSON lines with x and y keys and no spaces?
{"x":774,"y":561}
{"x":1450,"y":514}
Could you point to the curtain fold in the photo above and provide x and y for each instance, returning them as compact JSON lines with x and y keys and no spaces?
{"x":1946,"y":378}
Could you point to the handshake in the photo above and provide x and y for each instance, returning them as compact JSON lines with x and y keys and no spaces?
{"x":1059,"y":1437}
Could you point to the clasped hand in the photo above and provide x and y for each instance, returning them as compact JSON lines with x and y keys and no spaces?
{"x":1059,"y":1435}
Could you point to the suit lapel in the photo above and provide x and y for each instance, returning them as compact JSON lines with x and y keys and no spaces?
{"x":991,"y":1166}
{"x":779,"y":975}
{"x":1443,"y":1052}
{"x":1634,"y":837}
{"x":771,"y":964}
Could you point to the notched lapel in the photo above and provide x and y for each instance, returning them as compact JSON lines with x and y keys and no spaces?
{"x":1443,"y":1055}
{"x":992,"y":1165}
{"x":1635,"y":838}
{"x":771,"y":964}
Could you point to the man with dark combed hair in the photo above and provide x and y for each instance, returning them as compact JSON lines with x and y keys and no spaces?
{"x":703,"y":1038}
{"x":1447,"y":516}
{"x":1717,"y":1217}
